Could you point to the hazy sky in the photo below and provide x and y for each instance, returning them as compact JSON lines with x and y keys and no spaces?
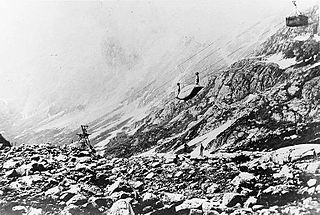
{"x":56,"y":48}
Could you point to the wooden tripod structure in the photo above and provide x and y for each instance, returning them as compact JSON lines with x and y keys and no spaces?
{"x":84,"y":137}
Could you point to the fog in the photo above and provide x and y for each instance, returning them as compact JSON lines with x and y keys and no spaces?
{"x":68,"y":52}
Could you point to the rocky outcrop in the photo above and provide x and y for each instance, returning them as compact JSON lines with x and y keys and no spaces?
{"x":4,"y":143}
{"x":269,"y":107}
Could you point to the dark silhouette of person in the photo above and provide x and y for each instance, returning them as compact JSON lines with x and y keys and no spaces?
{"x":201,"y":150}
{"x":197,"y":78}
{"x":179,"y":89}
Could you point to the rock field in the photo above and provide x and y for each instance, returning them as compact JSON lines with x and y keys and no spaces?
{"x":48,"y":179}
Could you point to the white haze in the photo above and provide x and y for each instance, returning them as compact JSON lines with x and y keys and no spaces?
{"x":56,"y":52}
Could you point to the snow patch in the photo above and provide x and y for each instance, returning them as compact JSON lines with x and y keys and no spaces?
{"x":302,"y":37}
{"x":283,"y":63}
{"x":315,"y":65}
{"x":204,"y":140}
{"x":250,"y":97}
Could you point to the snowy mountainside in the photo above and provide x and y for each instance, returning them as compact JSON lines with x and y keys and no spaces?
{"x":120,"y":110}
{"x":254,"y":104}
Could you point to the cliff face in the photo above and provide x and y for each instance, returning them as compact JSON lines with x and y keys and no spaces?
{"x":266,"y":103}
{"x":269,"y":107}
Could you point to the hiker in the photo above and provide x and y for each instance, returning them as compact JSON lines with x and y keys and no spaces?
{"x":201,"y":150}
{"x":197,"y":78}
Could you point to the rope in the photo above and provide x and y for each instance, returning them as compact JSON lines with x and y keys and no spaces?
{"x":294,"y":2}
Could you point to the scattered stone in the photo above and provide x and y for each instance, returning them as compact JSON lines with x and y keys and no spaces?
{"x":150,"y":175}
{"x":284,"y":172}
{"x":172,"y":197}
{"x":313,"y":167}
{"x":35,"y":211}
{"x":243,"y":177}
{"x":11,"y":173}
{"x":196,"y":212}
{"x":10,"y":164}
{"x":231,"y":199}
{"x":194,"y":203}
{"x":53,"y":191}
{"x":213,"y":188}
{"x":24,"y":169}
{"x":312,"y":182}
{"x":251,"y":201}
{"x":149,"y":199}
{"x":78,"y":200}
{"x":122,"y":207}
{"x":66,"y":196}
{"x":20,"y":209}
{"x":137,"y":185}
{"x":101,"y":201}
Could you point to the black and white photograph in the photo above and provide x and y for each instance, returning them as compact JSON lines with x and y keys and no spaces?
{"x":159,"y":107}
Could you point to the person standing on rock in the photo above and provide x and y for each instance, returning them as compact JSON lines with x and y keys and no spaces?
{"x":201,"y":150}
{"x":197,"y":78}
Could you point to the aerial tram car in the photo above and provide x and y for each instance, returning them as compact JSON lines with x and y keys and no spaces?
{"x":189,"y":91}
{"x":297,"y":20}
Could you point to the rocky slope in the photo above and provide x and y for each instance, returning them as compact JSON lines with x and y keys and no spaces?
{"x":138,"y":78}
{"x":258,"y":122}
{"x":47,"y":179}
{"x":266,"y":105}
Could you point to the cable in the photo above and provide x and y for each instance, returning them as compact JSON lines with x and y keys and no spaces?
{"x":196,"y":53}
{"x":192,"y":56}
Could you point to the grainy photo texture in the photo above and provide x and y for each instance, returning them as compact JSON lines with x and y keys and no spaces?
{"x":159,"y":107}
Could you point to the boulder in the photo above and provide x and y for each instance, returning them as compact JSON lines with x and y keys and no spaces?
{"x":172,"y":197}
{"x":101,"y":202}
{"x":11,"y":173}
{"x":24,"y":169}
{"x":78,"y":200}
{"x":284,"y":172}
{"x":195,"y":212}
{"x":213,"y":188}
{"x":54,"y":191}
{"x":150,"y":175}
{"x":10,"y":164}
{"x":20,"y":209}
{"x":122,"y":207}
{"x":35,"y":211}
{"x":243,"y":177}
{"x":313,"y":167}
{"x":231,"y":199}
{"x":66,"y":196}
{"x":149,"y":199}
{"x":164,"y":211}
{"x":194,"y":203}
{"x":251,"y":201}
{"x":137,"y":185}
{"x":312,"y":182}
